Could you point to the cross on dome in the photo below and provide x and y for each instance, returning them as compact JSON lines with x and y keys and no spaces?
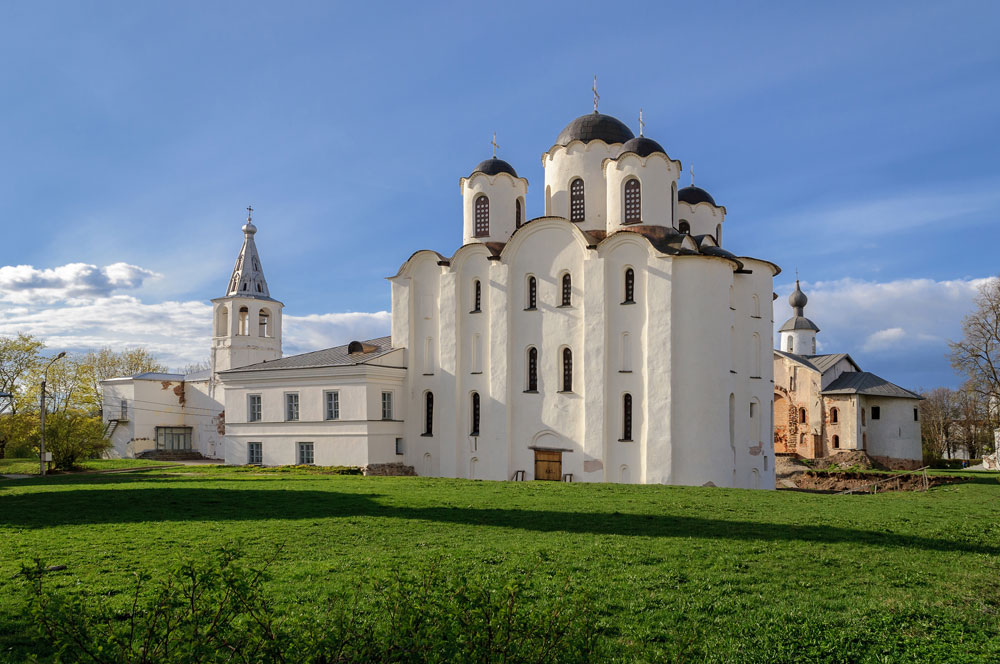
{"x":642,"y":125}
{"x":494,"y":144}
{"x":596,"y":96}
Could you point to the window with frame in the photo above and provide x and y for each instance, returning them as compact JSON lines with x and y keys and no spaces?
{"x":567,"y":378}
{"x":482,"y":216}
{"x":306,"y":454}
{"x":253,"y":408}
{"x":633,"y":202}
{"x":518,"y":213}
{"x":836,"y":442}
{"x":576,"y":200}
{"x":387,"y":405}
{"x":532,"y":369}
{"x":255,"y":455}
{"x":173,"y":438}
{"x":567,"y":290}
{"x":124,"y":408}
{"x":477,"y":296}
{"x":291,"y":406}
{"x":802,"y":415}
{"x":475,"y":414}
{"x":399,"y":447}
{"x":532,"y":294}
{"x":629,"y":286}
{"x":332,"y":403}
{"x":627,"y":417}
{"x":429,"y":414}
{"x":876,"y":412}
{"x":834,"y":416}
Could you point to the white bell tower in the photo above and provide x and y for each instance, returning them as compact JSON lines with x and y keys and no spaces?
{"x":798,"y":334}
{"x":246,"y":327}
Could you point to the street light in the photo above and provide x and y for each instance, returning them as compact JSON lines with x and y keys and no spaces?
{"x":45,"y":377}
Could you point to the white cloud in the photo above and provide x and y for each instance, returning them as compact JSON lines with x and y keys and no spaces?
{"x":24,"y":284}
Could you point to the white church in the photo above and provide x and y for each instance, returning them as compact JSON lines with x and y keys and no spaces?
{"x":612,"y":339}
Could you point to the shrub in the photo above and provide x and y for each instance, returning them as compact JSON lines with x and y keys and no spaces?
{"x":73,"y":437}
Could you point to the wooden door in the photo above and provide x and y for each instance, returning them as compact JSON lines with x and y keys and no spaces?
{"x":548,"y":465}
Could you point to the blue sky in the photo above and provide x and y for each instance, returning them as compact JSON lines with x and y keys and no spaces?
{"x":855,"y":141}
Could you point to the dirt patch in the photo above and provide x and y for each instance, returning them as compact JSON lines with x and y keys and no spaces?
{"x":848,"y":459}
{"x":868,"y":482}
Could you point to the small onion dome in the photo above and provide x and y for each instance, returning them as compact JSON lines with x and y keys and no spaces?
{"x":797,"y":299}
{"x":595,"y":127}
{"x":642,"y":146}
{"x":494,"y":166}
{"x":693,"y":195}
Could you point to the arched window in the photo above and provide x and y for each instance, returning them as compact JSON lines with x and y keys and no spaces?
{"x":755,"y":306}
{"x":626,"y":352}
{"x":475,"y":414}
{"x":756,"y":355}
{"x":802,"y":416}
{"x":532,"y":293}
{"x":834,"y":416}
{"x":482,"y":216}
{"x":684,"y":227}
{"x":755,"y":421}
{"x":790,"y":345}
{"x":576,"y":208}
{"x":633,"y":202}
{"x":732,"y":421}
{"x":518,"y":213}
{"x":836,"y":442}
{"x":532,"y":369}
{"x":477,"y":296}
{"x":567,"y":290}
{"x":244,"y":322}
{"x":629,"y":286}
{"x":429,"y":414}
{"x":264,"y":323}
{"x":627,"y":417}
{"x":223,"y":329}
{"x":567,"y":381}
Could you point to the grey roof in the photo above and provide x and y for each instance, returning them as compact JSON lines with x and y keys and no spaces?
{"x":797,"y":358}
{"x":156,"y":375}
{"x":595,"y":127}
{"x":863,"y":382}
{"x":198,"y":375}
{"x":248,"y":276}
{"x":798,"y":323}
{"x":337,"y":356}
{"x":826,"y":362}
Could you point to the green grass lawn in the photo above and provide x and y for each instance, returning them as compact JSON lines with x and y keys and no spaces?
{"x":670,"y":573}
{"x":31,"y":467}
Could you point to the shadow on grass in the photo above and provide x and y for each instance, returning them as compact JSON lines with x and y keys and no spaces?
{"x":87,"y":506}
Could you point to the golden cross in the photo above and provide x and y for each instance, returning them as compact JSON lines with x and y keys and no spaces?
{"x":494,"y":144}
{"x":596,"y":96}
{"x":691,"y":169}
{"x":642,"y":125}
{"x":249,"y":212}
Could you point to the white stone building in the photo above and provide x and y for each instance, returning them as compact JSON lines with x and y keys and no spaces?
{"x":610,"y":340}
{"x":825,"y":404}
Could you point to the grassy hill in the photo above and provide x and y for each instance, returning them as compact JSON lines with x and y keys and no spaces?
{"x":667,"y":573}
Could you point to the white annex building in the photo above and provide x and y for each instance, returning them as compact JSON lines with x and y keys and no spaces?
{"x":612,"y":339}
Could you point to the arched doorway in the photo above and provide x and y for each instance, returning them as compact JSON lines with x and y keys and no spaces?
{"x":780,"y":424}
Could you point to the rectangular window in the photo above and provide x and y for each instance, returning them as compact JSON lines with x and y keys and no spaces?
{"x":387,"y":405}
{"x":255,"y":455}
{"x":291,"y":406}
{"x":253,"y":408}
{"x":399,"y":446}
{"x":306,"y":454}
{"x":124,"y":409}
{"x":876,"y":412}
{"x":173,"y":438}
{"x":332,"y":399}
{"x":916,"y":415}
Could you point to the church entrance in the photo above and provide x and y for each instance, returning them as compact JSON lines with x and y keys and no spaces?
{"x":548,"y":465}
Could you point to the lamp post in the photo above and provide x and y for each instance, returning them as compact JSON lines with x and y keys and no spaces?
{"x":45,"y":377}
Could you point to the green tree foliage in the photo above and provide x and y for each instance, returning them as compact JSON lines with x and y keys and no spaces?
{"x":73,"y":436}
{"x":108,"y":363}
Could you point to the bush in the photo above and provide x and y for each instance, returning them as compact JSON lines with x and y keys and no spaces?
{"x":217,"y":610}
{"x":954,"y":464}
{"x":73,"y":437}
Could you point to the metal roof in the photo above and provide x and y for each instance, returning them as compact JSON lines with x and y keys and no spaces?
{"x":826,"y":362}
{"x":864,"y":382}
{"x":797,"y":358}
{"x":799,"y":323}
{"x":337,"y":356}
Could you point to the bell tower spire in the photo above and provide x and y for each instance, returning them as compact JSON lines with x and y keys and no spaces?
{"x":248,"y":276}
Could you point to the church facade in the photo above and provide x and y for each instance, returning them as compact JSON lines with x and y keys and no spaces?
{"x":611,"y":339}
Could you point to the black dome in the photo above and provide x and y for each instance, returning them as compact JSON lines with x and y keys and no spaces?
{"x":595,"y":127}
{"x":694,"y":195}
{"x":642,"y":146}
{"x":494,"y":166}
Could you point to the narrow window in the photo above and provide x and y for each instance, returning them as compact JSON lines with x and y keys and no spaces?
{"x":306,"y":457}
{"x":332,"y":405}
{"x":916,"y":415}
{"x":834,"y":416}
{"x":291,"y":407}
{"x":684,"y":227}
{"x":482,"y":216}
{"x":223,"y":322}
{"x":802,"y":415}
{"x":576,"y":209}
{"x":429,"y":356}
{"x":626,"y":353}
{"x":429,"y":414}
{"x":755,"y":306}
{"x":790,"y":347}
{"x":567,"y":381}
{"x":518,"y":214}
{"x":718,"y":234}
{"x":629,"y":286}
{"x":387,"y":405}
{"x":264,"y":324}
{"x":124,"y":413}
{"x":532,"y":293}
{"x":791,"y":379}
{"x":756,"y":349}
{"x":864,"y":441}
{"x":633,"y":202}
{"x":627,"y":417}
{"x":567,"y":290}
{"x":253,"y":408}
{"x":876,"y":413}
{"x":477,"y":296}
{"x":244,"y":322}
{"x":255,"y":456}
{"x":532,"y":369}
{"x":475,"y":414}
{"x":477,"y":353}
{"x":836,"y":442}
{"x":399,"y":447}
{"x":863,"y":422}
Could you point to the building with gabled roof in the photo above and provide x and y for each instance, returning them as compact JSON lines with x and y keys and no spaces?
{"x":825,"y":404}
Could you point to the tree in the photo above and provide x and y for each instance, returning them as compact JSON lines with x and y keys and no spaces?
{"x":977,"y":356}
{"x":73,"y":436}
{"x":20,"y":357}
{"x":937,"y":413}
{"x":108,"y":363}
